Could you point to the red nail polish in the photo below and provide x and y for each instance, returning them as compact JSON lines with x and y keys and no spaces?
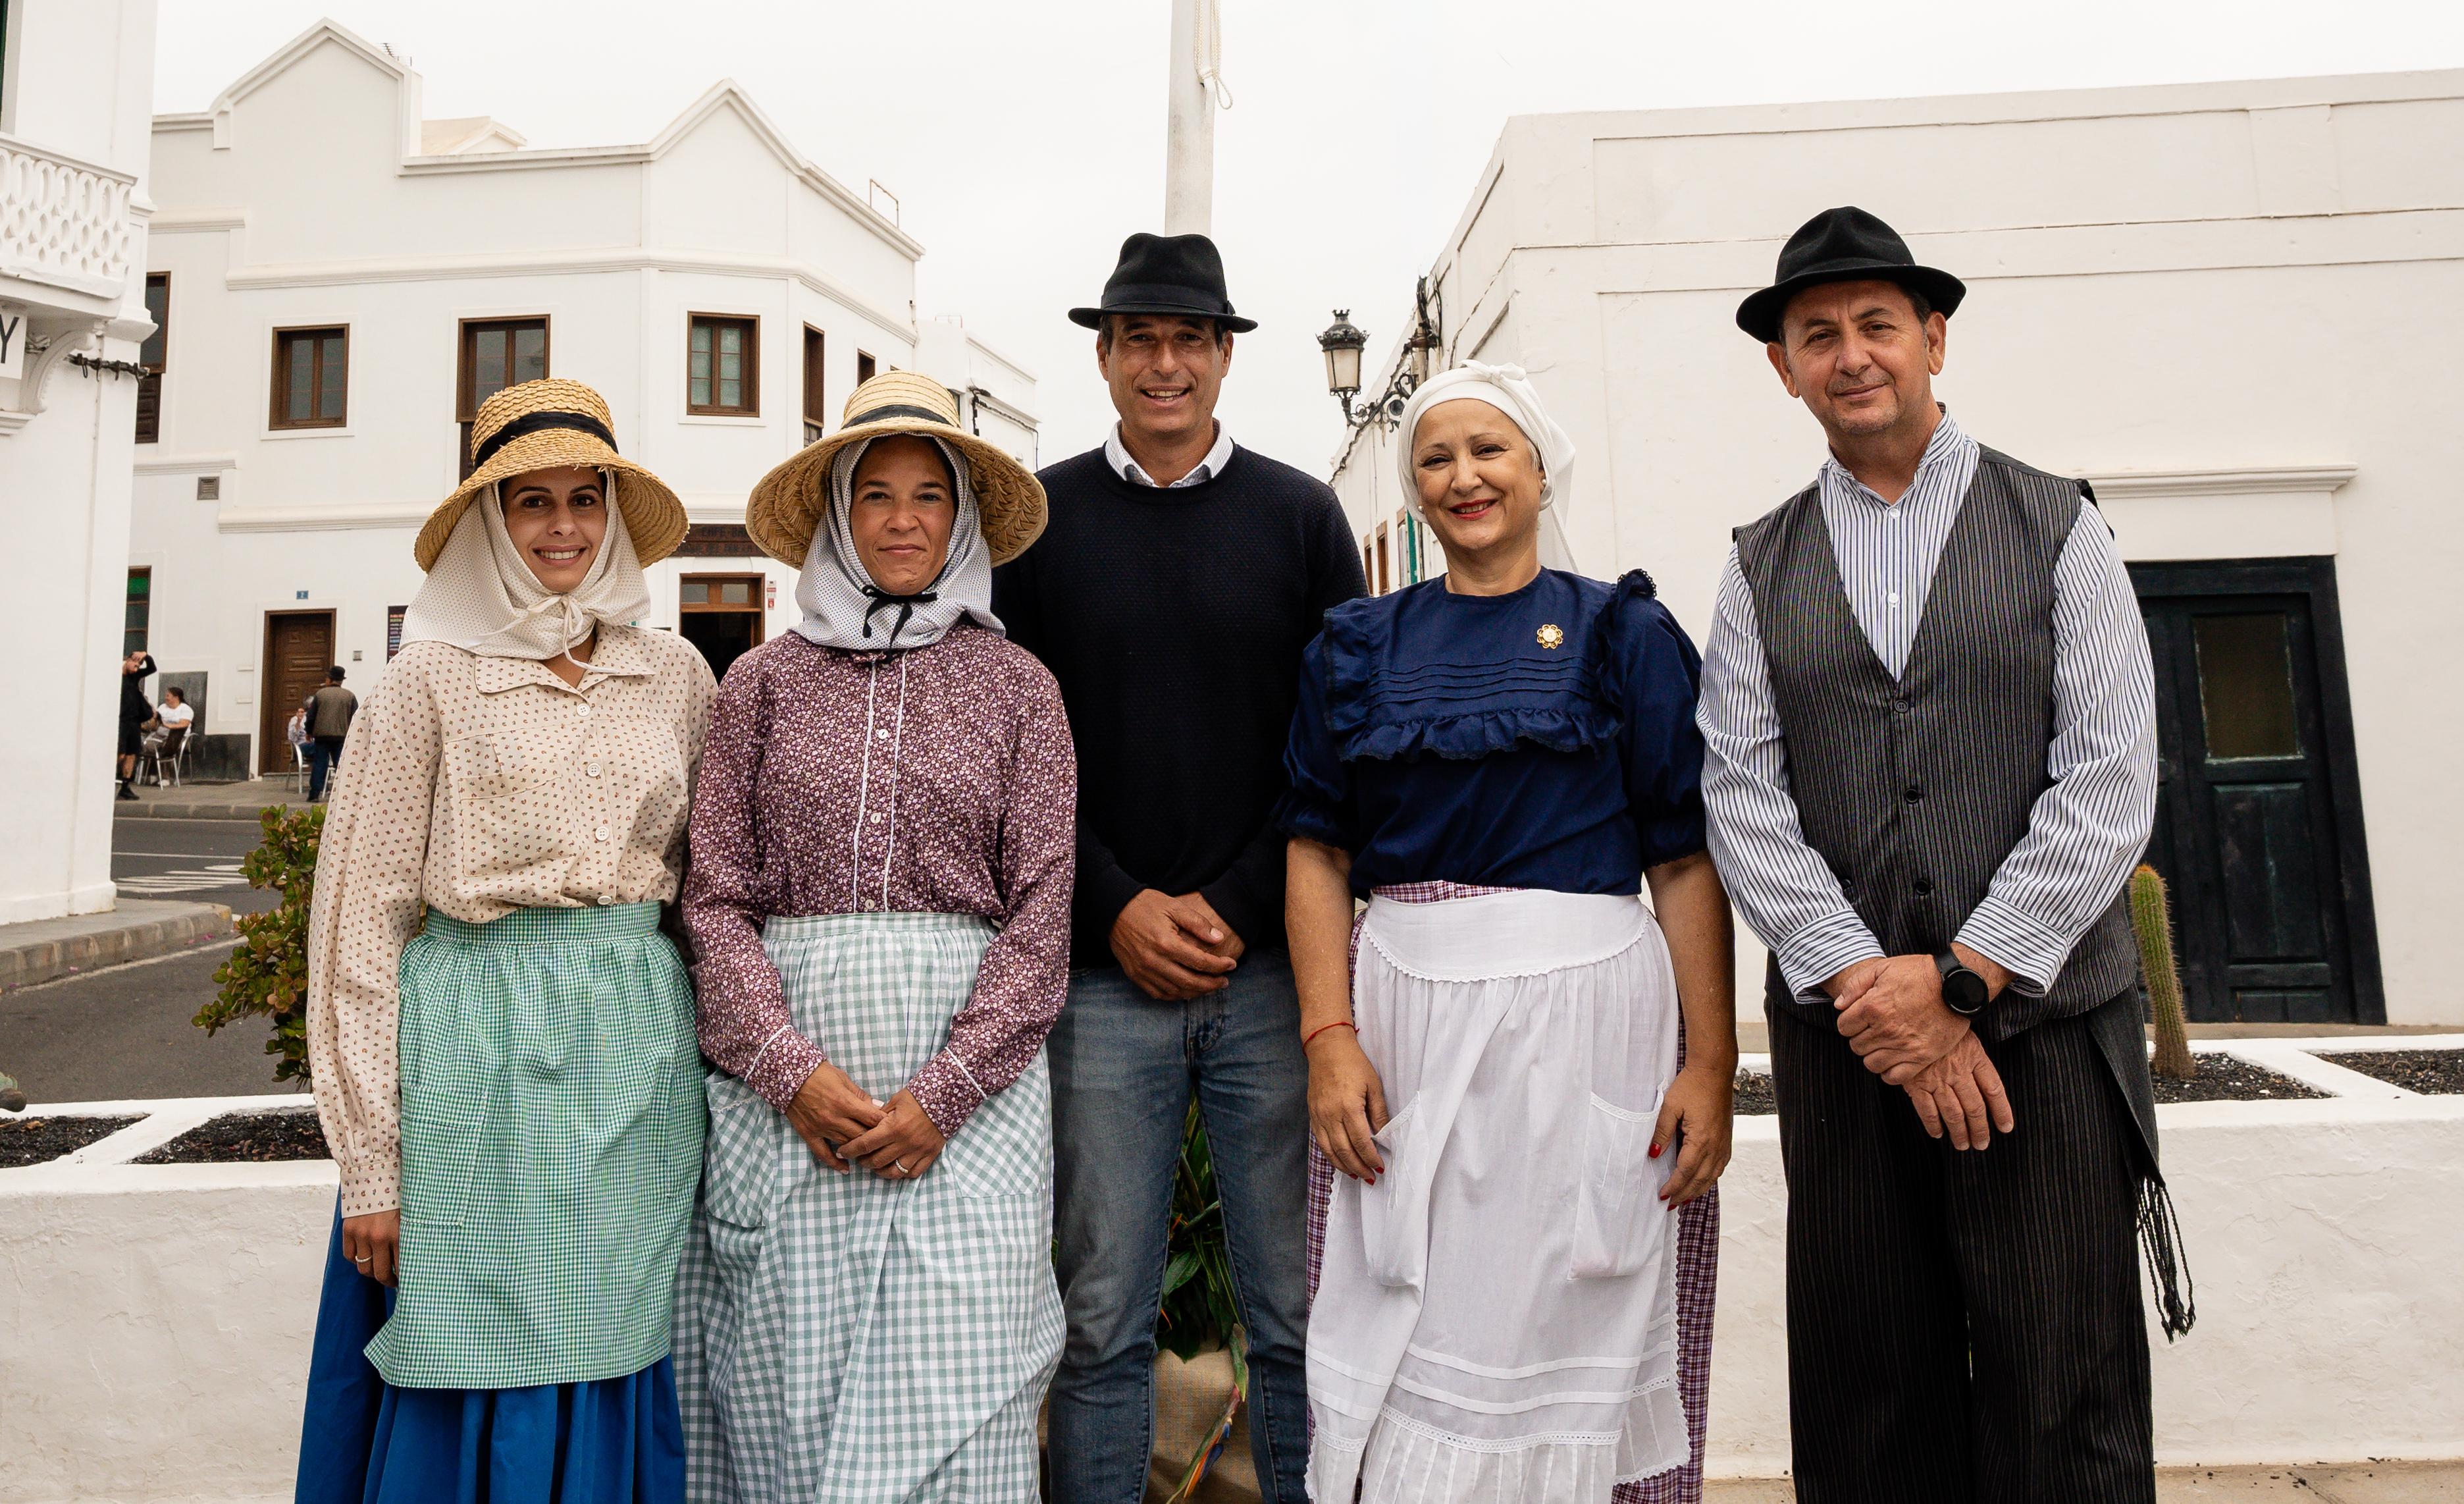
{"x":1654,"y":1151}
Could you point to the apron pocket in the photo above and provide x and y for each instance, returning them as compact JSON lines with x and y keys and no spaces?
{"x":740,"y":1164}
{"x":1618,"y":1220}
{"x":1394,"y":1212}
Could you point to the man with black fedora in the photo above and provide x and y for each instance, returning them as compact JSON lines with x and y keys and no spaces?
{"x":1931,"y":765}
{"x":1173,"y":591}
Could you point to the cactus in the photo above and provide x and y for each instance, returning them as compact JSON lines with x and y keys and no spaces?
{"x":2151,"y":916}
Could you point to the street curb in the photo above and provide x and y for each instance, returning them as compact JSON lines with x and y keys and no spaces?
{"x":203,"y":809}
{"x":47,"y":950}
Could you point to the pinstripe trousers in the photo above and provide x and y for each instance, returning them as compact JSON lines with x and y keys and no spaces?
{"x":1963,"y":1328}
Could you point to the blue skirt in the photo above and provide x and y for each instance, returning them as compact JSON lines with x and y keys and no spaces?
{"x":611,"y":1441}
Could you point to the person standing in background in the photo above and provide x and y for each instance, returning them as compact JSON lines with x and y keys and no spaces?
{"x":329,"y":720}
{"x":134,"y":713}
{"x":1179,"y":580}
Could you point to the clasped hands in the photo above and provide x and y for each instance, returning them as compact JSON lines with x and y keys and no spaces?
{"x":842,"y":1125}
{"x":1892,"y":1014}
{"x":1174,"y":948}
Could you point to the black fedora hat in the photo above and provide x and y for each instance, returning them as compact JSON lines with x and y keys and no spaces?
{"x":1181,"y":275}
{"x":1844,"y":245}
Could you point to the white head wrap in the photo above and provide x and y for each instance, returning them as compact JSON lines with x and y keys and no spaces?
{"x":1508,"y":389}
{"x":845,"y":607}
{"x":482,"y":597}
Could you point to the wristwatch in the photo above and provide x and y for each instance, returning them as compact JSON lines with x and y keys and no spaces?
{"x":1963,"y":991}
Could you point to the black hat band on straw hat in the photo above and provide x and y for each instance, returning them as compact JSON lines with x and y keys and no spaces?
{"x":539,"y":423}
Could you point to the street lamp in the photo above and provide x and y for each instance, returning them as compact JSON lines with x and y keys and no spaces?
{"x":1343,"y":342}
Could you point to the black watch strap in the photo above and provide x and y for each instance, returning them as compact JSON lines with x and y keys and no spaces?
{"x":1963,"y":990}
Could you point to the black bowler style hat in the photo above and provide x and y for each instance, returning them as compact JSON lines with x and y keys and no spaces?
{"x":1181,"y":275}
{"x":1844,"y":245}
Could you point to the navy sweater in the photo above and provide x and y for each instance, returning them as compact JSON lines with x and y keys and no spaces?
{"x":1174,"y":622}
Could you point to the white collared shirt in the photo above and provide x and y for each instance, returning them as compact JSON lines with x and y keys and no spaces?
{"x":1117,"y":456}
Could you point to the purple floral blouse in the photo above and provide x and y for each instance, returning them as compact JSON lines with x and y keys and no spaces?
{"x":935,"y":780}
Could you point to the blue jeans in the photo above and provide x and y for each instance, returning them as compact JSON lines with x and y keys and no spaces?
{"x":325,"y":753}
{"x":1123,"y":1067}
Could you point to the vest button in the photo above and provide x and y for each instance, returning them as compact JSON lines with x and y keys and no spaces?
{"x":1903,"y":706}
{"x":1924,"y":887}
{"x":1916,"y":793}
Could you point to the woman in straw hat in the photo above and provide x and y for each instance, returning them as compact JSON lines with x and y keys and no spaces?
{"x":500,"y":1038}
{"x":1500,"y":761}
{"x":883,"y":845}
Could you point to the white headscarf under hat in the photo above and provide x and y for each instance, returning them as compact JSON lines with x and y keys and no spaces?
{"x":845,"y":607}
{"x":1508,"y":389}
{"x":481,"y":596}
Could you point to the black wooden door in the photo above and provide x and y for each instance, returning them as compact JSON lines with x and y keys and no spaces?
{"x":2258,"y":820}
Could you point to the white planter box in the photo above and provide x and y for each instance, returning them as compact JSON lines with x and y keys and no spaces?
{"x":155,"y":1320}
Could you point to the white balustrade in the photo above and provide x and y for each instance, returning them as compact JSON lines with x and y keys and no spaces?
{"x":63,"y":222}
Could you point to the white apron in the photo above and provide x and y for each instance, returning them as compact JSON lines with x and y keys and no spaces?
{"x":1495,"y":1320}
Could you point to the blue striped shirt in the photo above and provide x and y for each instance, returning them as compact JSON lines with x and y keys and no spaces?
{"x":2084,"y":834}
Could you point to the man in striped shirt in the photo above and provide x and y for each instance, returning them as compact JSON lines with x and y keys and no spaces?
{"x":1927,"y":706}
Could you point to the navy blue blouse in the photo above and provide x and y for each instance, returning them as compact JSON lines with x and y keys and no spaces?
{"x":1544,"y":739}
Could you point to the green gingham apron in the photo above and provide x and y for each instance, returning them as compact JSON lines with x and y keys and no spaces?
{"x":847,"y":1337}
{"x":551,"y":1142}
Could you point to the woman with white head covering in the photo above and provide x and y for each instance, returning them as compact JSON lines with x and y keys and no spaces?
{"x":883,"y":846}
{"x":499,"y":1036}
{"x":1500,"y":761}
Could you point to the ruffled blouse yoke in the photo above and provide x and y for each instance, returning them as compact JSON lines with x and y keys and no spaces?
{"x":1542,"y":739}
{"x":937,"y":780}
{"x":475,"y":786}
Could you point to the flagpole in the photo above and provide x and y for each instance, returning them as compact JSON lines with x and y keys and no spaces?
{"x":1189,"y":135}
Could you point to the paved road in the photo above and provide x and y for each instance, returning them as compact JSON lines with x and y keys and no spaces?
{"x":186,"y":860}
{"x":126,"y":1032}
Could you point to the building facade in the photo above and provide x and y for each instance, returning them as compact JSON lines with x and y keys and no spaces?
{"x":342,"y":283}
{"x":2224,"y":304}
{"x":76,"y":80}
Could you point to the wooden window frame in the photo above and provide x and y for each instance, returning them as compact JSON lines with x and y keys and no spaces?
{"x":865,"y":367}
{"x":466,"y":410}
{"x":752,"y":405}
{"x":128,"y":597}
{"x":817,"y":413}
{"x":149,"y":386}
{"x":276,"y":418}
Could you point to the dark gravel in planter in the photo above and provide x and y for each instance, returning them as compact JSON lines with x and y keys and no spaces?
{"x":33,"y":1141}
{"x":2228,"y":1078}
{"x":1755,"y":1094}
{"x":245,"y":1138}
{"x":2438,"y":1072}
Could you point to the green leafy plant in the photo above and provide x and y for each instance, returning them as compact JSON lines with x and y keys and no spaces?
{"x":2151,"y":919}
{"x":267,"y":975}
{"x":1199,"y":1310}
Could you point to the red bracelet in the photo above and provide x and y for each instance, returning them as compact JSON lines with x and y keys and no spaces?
{"x":1323,"y":1027}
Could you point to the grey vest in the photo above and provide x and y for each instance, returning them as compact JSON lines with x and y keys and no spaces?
{"x":1914,"y":791}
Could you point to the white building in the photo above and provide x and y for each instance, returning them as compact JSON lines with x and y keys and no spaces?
{"x":75,"y":82}
{"x":342,"y":283}
{"x":2230,"y":305}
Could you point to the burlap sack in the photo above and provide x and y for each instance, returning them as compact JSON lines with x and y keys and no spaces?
{"x":1189,"y":1397}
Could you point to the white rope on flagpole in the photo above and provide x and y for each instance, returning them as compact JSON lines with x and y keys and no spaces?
{"x":1209,"y":61}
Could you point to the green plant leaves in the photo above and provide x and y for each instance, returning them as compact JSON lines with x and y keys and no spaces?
{"x":267,"y":974}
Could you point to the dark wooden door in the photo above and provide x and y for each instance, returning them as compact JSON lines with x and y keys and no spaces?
{"x":2258,"y":827}
{"x":298,"y":650}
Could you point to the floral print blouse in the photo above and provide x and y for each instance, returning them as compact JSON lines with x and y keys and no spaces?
{"x":935,"y":780}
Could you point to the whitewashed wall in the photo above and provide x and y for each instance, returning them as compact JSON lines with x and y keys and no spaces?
{"x":73,"y":210}
{"x":2235,"y":297}
{"x":297,"y":198}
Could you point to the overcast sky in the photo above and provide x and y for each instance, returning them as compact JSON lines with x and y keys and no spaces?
{"x":1025,"y":140}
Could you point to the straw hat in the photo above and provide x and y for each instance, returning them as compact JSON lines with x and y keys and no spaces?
{"x":542,"y":425}
{"x":786,"y":506}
